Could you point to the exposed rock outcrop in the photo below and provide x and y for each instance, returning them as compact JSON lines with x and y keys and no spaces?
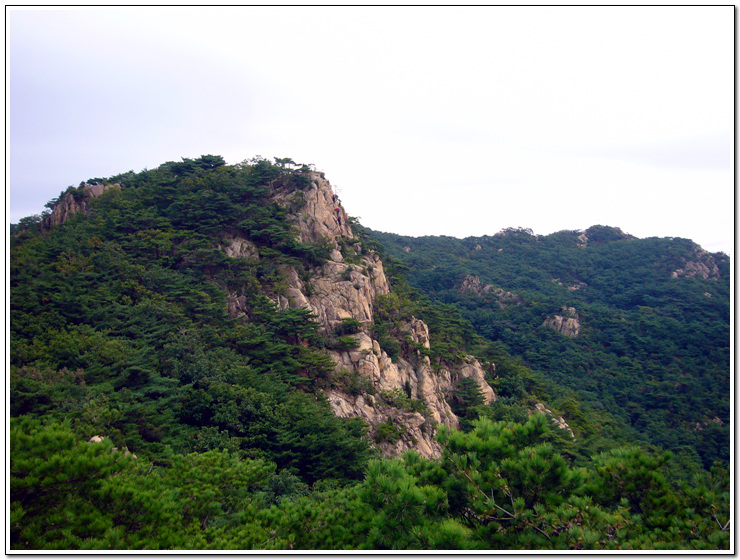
{"x":471,"y":285}
{"x":239,"y":248}
{"x":346,"y":287}
{"x":557,"y":420}
{"x":316,"y":211}
{"x":702,"y":265}
{"x":701,"y":426}
{"x":421,"y":382}
{"x":75,"y":201}
{"x":236,"y":305}
{"x":572,"y":287}
{"x":569,"y":323}
{"x":100,"y":439}
{"x":339,"y":290}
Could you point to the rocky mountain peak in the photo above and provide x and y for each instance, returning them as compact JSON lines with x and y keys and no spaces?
{"x":405,"y":398}
{"x":316,"y":210}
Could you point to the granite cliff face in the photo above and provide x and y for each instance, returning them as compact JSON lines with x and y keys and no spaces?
{"x":345,"y":287}
{"x":418,"y":380}
{"x":75,"y":201}
{"x":339,"y":289}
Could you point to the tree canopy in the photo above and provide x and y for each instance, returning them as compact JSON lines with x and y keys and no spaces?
{"x":145,"y":416}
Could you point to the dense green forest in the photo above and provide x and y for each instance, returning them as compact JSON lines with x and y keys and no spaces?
{"x":217,"y":433}
{"x":653,"y":348}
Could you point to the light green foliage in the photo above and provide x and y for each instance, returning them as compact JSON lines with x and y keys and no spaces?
{"x":407,"y":515}
{"x":54,"y":481}
{"x":499,"y":470}
{"x":501,"y":486}
{"x":631,"y":474}
{"x":215,"y":485}
{"x":518,"y":492}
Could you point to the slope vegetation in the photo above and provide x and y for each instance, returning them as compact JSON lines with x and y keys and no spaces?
{"x":639,"y":328}
{"x":210,"y":356}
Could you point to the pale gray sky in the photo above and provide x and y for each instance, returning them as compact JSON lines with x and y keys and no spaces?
{"x":429,"y":120}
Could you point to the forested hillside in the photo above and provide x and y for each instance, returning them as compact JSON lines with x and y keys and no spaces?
{"x":211,"y":356}
{"x":639,"y":328}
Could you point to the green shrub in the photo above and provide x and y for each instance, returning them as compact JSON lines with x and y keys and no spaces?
{"x":344,"y":343}
{"x":353,"y":382}
{"x":388,"y":432}
{"x":397,"y":398}
{"x":349,"y":325}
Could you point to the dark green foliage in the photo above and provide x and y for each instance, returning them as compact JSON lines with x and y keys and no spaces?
{"x":502,"y":486}
{"x":397,"y":398}
{"x":651,"y":361}
{"x":344,"y":343}
{"x":466,"y":397}
{"x":352,"y":382}
{"x":387,"y":432}
{"x":217,"y":434}
{"x":188,"y":166}
{"x":120,"y":321}
{"x":348,"y":326}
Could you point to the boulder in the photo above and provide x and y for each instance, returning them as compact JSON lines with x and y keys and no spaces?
{"x":567,"y":324}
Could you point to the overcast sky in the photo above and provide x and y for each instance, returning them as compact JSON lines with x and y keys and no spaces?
{"x":430,"y":121}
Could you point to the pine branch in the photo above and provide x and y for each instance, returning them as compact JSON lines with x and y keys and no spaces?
{"x":725,"y":527}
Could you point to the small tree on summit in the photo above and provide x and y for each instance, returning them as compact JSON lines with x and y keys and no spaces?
{"x":187,"y":165}
{"x":284,"y":162}
{"x":209,"y":161}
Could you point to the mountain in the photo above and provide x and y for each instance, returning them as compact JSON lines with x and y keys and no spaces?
{"x":639,"y":328}
{"x":212,"y":356}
